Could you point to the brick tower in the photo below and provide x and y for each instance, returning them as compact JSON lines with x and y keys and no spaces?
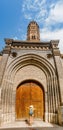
{"x":33,"y":33}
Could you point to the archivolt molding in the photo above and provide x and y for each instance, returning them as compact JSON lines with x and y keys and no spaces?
{"x":32,"y":59}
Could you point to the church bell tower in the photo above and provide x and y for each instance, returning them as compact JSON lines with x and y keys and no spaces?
{"x":33,"y":33}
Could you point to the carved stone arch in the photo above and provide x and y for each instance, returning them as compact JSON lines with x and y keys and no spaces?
{"x":30,"y":59}
{"x":43,"y":64}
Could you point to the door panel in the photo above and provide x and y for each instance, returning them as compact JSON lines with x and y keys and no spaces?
{"x":26,"y":95}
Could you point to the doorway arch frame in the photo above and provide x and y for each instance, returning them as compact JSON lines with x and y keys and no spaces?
{"x":39,"y":85}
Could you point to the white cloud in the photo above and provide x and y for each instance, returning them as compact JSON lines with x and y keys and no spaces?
{"x":50,"y":12}
{"x":56,"y":13}
{"x":34,"y":9}
{"x":33,"y":4}
{"x":27,"y":16}
{"x":40,"y":15}
{"x":48,"y":35}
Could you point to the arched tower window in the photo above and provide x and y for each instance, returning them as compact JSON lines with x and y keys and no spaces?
{"x":33,"y":37}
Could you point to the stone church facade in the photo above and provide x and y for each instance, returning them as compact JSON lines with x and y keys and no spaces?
{"x":31,"y":73}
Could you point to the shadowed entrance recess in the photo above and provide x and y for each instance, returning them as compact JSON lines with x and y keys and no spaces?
{"x":29,"y":93}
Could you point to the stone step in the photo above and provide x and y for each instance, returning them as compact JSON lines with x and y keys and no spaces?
{"x":23,"y":125}
{"x":33,"y":128}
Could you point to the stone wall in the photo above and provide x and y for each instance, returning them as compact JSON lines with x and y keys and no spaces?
{"x":28,"y":64}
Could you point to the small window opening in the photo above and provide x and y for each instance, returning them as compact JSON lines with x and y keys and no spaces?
{"x":33,"y":37}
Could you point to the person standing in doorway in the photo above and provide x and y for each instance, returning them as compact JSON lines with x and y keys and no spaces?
{"x":31,"y":114}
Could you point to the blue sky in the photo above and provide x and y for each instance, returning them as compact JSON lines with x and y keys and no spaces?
{"x":15,"y":16}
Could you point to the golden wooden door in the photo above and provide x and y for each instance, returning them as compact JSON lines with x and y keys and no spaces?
{"x":29,"y":94}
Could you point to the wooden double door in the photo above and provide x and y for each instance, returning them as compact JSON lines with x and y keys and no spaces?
{"x":28,"y":94}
